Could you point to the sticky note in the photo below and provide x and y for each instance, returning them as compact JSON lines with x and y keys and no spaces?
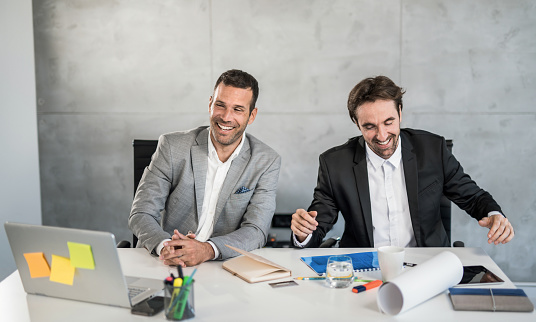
{"x":38,"y":265}
{"x":81,"y":255}
{"x":61,"y":270}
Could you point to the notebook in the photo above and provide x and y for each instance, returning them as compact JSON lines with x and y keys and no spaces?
{"x":75,"y":264}
{"x":490,"y":299}
{"x":363,"y":262}
{"x":254,"y":268}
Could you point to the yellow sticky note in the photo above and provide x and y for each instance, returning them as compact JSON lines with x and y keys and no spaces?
{"x":81,"y":255}
{"x":61,"y":270}
{"x":38,"y":265}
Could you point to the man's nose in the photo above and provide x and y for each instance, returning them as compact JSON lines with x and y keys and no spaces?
{"x":382,"y":134}
{"x":226,"y":114}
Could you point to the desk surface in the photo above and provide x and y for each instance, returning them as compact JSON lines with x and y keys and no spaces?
{"x":220,"y":296}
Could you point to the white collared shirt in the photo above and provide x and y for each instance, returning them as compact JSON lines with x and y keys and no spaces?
{"x":391,"y":220}
{"x":216,"y":173}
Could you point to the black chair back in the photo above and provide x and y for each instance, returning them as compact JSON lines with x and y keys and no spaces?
{"x":143,"y":151}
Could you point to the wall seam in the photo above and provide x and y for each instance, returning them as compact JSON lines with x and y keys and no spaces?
{"x":401,"y":41}
{"x":211,"y":50}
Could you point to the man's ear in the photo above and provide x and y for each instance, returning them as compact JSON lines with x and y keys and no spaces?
{"x":252,"y":116}
{"x":209,"y":103}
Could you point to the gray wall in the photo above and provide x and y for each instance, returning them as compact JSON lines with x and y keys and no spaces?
{"x":112,"y":71}
{"x":20,"y":198}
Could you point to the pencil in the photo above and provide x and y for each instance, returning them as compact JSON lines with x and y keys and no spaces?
{"x":314,"y":278}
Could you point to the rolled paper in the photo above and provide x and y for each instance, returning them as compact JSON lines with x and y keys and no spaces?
{"x":420,"y":283}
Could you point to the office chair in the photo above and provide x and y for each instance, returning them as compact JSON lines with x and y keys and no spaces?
{"x":143,"y":151}
{"x":445,"y":210}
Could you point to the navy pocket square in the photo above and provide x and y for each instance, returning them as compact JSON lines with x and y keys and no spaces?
{"x":242,"y":190}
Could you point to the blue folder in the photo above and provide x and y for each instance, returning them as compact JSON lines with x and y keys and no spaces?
{"x":366,"y":261}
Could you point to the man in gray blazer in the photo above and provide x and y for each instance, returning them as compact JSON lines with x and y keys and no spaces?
{"x":210,"y":186}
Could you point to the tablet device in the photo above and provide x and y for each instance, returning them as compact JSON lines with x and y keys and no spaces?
{"x":478,"y":274}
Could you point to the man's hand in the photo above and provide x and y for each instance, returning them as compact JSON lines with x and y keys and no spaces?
{"x":303,"y":224}
{"x":500,"y":229}
{"x":185,"y":251}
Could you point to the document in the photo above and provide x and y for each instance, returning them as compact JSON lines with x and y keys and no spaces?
{"x":253,"y":268}
{"x":362,"y":262}
{"x":419,"y":284}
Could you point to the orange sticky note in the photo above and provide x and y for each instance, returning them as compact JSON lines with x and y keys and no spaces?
{"x":61,"y":270}
{"x":81,"y":255}
{"x":38,"y":265}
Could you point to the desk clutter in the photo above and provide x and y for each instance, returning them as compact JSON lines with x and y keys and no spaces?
{"x":412,"y":287}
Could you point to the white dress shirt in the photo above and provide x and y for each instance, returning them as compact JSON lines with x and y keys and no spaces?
{"x":391,"y":220}
{"x":216,"y":173}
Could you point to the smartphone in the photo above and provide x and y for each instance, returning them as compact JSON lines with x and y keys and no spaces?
{"x":149,"y":307}
{"x":479,"y":275}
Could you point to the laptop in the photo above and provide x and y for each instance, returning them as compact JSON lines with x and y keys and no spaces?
{"x":101,"y":281}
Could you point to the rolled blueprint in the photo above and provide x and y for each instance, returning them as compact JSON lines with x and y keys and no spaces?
{"x":419,"y":284}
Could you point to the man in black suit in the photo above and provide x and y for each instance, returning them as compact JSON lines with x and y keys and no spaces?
{"x":388,"y":183}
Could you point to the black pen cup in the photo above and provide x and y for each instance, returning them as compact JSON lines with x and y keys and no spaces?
{"x":179,"y":301}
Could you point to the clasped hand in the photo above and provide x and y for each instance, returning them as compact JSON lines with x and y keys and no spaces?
{"x":184,"y":250}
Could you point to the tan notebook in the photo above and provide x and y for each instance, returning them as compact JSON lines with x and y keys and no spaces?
{"x":254,"y":268}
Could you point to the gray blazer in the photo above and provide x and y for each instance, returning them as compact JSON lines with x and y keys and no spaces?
{"x":171,"y":192}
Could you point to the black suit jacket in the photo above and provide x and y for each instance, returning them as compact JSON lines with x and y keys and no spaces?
{"x":430,"y":171}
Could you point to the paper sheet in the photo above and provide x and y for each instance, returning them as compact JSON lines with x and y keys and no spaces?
{"x":81,"y":255}
{"x":38,"y":265}
{"x":61,"y":270}
{"x":419,"y":284}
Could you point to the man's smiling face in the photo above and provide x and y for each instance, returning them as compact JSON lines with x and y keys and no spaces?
{"x":379,"y":121}
{"x":230,"y":115}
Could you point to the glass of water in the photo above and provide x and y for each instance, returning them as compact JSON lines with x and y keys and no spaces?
{"x":339,"y":272}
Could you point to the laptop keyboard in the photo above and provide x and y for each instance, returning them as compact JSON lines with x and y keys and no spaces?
{"x":134,"y":291}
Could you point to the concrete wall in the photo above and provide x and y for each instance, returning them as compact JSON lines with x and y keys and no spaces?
{"x":20,"y":198}
{"x":112,"y":71}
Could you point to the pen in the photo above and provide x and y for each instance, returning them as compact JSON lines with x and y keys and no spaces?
{"x":185,"y":289}
{"x":368,"y":286}
{"x":314,"y":278}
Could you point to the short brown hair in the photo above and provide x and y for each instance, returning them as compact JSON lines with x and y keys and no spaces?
{"x":372,"y":89}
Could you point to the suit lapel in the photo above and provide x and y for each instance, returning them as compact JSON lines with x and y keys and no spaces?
{"x":363,"y":192}
{"x":237,"y":168}
{"x":409,"y":161}
{"x":200,"y":166}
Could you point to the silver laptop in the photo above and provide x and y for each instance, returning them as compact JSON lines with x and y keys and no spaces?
{"x":105,"y":284}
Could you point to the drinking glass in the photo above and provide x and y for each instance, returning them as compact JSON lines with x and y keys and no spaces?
{"x":339,"y":272}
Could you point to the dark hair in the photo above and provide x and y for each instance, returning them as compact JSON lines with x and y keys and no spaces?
{"x":372,"y":89}
{"x":239,"y":79}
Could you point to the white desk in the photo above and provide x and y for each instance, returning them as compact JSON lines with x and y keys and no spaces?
{"x":220,"y":296}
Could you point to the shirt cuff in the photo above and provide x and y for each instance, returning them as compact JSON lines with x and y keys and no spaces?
{"x":491,"y":213}
{"x":216,"y":251}
{"x":158,"y":248}
{"x":305,"y":242}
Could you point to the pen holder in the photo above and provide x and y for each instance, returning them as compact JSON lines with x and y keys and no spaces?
{"x":179,"y":302}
